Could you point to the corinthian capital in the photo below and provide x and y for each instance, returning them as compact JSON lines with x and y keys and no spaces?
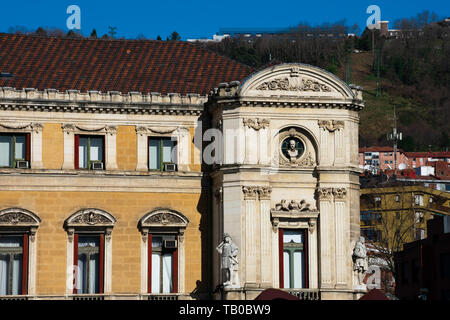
{"x":324,"y":193}
{"x":339,"y":193}
{"x":331,"y":125}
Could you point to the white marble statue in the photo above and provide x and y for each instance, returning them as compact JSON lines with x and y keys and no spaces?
{"x":292,"y":149}
{"x":360,"y":261}
{"x":230,"y":266}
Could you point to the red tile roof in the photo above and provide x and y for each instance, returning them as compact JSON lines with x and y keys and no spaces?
{"x":113,"y":65}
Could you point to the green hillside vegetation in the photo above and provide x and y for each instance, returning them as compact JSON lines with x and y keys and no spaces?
{"x":414,"y":73}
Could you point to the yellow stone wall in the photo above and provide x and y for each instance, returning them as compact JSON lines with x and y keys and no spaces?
{"x":126,"y":142}
{"x":52,"y":146}
{"x":128,"y":208}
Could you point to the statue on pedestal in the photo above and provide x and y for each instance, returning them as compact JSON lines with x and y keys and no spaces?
{"x":230,"y":266}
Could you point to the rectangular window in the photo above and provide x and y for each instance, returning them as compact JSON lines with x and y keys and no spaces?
{"x":161,"y":154}
{"x":89,"y":152}
{"x":88,"y":257}
{"x":14,"y":148}
{"x":13,"y":264}
{"x":162,"y":264}
{"x":293,"y":258}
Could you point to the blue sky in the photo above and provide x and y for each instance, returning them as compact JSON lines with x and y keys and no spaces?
{"x":202,"y":18}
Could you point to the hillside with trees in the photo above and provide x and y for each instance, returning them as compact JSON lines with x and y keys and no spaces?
{"x":413,"y":70}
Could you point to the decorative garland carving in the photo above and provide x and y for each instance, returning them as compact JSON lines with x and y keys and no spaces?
{"x":293,"y":206}
{"x":331,"y":125}
{"x":293,"y":84}
{"x":15,"y":218}
{"x":90,"y":217}
{"x":18,"y":217}
{"x":257,"y":123}
{"x":15,"y":126}
{"x":163,"y":218}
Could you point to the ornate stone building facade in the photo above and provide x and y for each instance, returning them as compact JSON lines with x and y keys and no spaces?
{"x":114,"y":195}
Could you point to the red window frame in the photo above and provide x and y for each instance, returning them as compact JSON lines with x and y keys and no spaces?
{"x":281,"y":258}
{"x":149,"y":267}
{"x":25,"y":254}
{"x":77,"y":149}
{"x":101,"y":261}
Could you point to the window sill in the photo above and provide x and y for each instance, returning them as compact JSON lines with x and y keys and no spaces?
{"x":82,"y":172}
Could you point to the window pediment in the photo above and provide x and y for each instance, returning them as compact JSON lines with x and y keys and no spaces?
{"x":163,"y":218}
{"x":90,"y":217}
{"x":18,"y":217}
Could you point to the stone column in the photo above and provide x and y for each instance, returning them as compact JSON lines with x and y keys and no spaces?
{"x":265,"y":237}
{"x":341,"y":236}
{"x":108,"y":262}
{"x":250,"y":239}
{"x":326,"y":237}
{"x":312,"y":250}
{"x":69,"y":146}
{"x":144,"y":261}
{"x":142,"y":148}
{"x":36,"y":146}
{"x":181,"y":262}
{"x":111,"y":147}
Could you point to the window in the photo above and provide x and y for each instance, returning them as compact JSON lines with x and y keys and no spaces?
{"x":163,"y":251}
{"x":89,"y":152}
{"x":163,"y":262}
{"x":18,"y":229}
{"x":397,"y":198}
{"x":161,"y":154}
{"x":88,"y":257}
{"x":89,"y":250}
{"x":14,"y":150}
{"x":293,"y":265}
{"x":420,"y":234}
{"x":404,"y":272}
{"x":13,"y":264}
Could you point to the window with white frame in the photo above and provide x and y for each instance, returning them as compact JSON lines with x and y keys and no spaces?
{"x":17,"y":251}
{"x":89,"y":250}
{"x":163,"y":248}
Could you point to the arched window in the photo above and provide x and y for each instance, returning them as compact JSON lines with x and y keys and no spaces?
{"x":163,"y":251}
{"x":89,"y":251}
{"x":17,"y":251}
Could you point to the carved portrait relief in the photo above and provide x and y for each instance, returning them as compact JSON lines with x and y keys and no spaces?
{"x":294,"y":149}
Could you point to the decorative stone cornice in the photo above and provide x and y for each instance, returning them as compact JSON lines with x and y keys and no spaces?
{"x":256,"y":192}
{"x":257,"y":123}
{"x":52,"y":100}
{"x":331,"y":125}
{"x":324,"y":193}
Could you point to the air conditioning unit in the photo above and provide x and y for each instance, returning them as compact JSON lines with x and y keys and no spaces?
{"x":97,"y":165}
{"x":170,"y":244}
{"x":170,"y":167}
{"x":22,"y":164}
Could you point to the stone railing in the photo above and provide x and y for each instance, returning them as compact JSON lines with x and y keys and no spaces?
{"x":305,"y":294}
{"x":14,"y":297}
